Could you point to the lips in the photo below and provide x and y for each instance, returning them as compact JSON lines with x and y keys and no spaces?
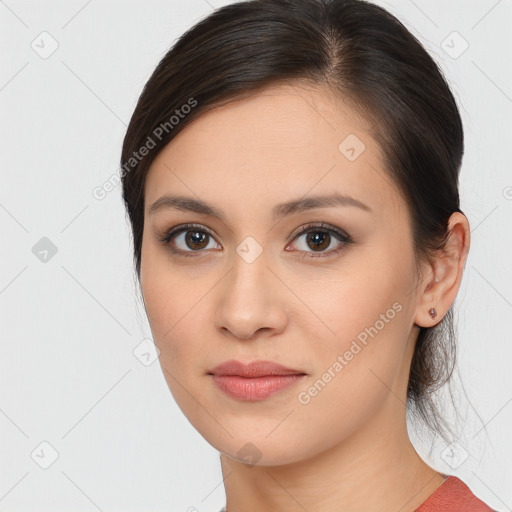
{"x":254,"y":369}
{"x":254,"y":381}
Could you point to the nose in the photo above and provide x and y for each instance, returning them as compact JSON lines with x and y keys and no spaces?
{"x":251,"y":301}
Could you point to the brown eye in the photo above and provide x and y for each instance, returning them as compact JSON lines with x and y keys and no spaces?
{"x":196,"y":239}
{"x":188,"y":239}
{"x":317,"y":239}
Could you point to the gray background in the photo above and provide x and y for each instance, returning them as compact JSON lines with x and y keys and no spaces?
{"x":72,"y":371}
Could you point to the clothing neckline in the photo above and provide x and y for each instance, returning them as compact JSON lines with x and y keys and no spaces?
{"x":453,"y":495}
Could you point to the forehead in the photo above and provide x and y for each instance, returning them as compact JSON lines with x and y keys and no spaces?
{"x":289,"y":137}
{"x":276,"y":118}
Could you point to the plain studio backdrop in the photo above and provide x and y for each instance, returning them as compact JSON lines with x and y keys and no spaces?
{"x":87,"y":421}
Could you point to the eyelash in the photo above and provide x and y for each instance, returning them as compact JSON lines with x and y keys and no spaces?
{"x":339,"y":235}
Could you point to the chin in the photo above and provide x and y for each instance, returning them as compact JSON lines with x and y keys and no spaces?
{"x":255,"y":448}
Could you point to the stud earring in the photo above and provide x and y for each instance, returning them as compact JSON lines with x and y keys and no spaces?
{"x":432,"y":312}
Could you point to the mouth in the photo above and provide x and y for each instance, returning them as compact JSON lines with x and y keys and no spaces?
{"x":254,"y":381}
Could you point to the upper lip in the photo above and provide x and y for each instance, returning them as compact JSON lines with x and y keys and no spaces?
{"x":253,"y":369}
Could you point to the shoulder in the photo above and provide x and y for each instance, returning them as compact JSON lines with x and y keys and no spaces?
{"x":454,"y":496}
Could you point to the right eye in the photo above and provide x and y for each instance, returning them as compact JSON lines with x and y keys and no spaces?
{"x":189,"y":239}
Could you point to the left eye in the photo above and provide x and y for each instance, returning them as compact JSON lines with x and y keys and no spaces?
{"x":319,"y":239}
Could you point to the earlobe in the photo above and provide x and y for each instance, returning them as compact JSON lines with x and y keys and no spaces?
{"x":445,"y":274}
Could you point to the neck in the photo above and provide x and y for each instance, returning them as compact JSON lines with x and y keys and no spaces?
{"x":376,"y":468}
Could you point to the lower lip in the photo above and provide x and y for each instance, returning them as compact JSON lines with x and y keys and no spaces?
{"x":255,"y":388}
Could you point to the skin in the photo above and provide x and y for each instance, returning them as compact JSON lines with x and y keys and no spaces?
{"x":287,"y":306}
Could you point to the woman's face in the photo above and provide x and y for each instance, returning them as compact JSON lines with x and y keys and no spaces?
{"x":335,"y":303}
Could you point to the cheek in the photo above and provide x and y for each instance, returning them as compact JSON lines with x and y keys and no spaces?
{"x":365,"y":326}
{"x":168,"y":310}
{"x":351,"y":304}
{"x":176,"y":304}
{"x":171,"y":313}
{"x":166,"y":299}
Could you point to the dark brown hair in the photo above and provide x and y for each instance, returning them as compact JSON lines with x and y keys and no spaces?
{"x":369,"y":59}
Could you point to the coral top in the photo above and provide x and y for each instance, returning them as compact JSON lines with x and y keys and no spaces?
{"x":453,"y":495}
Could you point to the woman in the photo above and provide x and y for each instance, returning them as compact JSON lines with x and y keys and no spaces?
{"x":291,"y":177}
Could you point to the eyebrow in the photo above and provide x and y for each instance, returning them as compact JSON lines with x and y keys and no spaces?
{"x":189,"y":204}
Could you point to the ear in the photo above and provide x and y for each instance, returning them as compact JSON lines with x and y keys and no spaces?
{"x":444,"y":274}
